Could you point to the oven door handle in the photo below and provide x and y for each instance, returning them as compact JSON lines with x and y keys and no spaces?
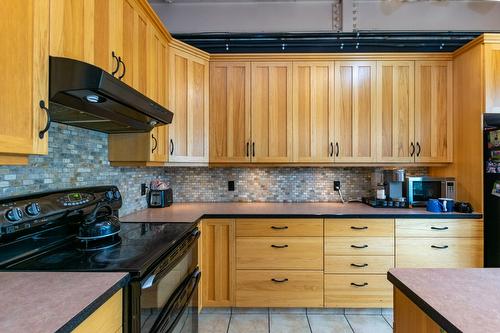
{"x":160,"y":272}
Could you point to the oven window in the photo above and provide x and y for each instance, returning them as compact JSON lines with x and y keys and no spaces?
{"x":154,"y":299}
{"x":425,"y":190}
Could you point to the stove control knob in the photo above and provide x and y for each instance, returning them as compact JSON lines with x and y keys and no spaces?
{"x":33,"y":209}
{"x":14,"y":215}
{"x":117,"y":195}
{"x":109,"y":195}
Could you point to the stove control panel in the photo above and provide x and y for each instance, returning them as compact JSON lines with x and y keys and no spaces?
{"x":75,"y":199}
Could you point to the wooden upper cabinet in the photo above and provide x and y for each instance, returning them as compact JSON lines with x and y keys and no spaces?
{"x":492,"y":77}
{"x":24,"y":27}
{"x":355,"y":111}
{"x":189,"y":101}
{"x":271,"y":112}
{"x":313,"y":91}
{"x":395,"y":111}
{"x":230,"y":112}
{"x":433,"y":111}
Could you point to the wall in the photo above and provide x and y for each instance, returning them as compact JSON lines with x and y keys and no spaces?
{"x":77,"y":157}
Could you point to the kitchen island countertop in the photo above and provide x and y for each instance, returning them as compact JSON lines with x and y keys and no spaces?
{"x":191,"y":212}
{"x":46,"y":302}
{"x":458,"y":300}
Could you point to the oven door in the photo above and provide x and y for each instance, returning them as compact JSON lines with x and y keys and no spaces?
{"x":168,"y":296}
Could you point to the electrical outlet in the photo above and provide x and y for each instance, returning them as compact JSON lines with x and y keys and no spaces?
{"x":336,"y":185}
{"x":143,"y":189}
{"x":230,"y":185}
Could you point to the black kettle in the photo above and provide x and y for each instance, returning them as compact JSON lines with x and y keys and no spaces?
{"x":463,"y":207}
{"x":99,"y":224}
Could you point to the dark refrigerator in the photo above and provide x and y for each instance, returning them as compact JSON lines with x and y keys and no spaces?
{"x":492,"y":190}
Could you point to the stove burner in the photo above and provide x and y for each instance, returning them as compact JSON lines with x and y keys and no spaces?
{"x":115,"y":255}
{"x":99,"y":244}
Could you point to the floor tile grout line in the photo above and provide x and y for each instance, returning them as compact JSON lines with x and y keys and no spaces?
{"x":349,"y":323}
{"x":387,"y":321}
{"x":268,"y":320}
{"x":230,"y":317}
{"x":309,"y":323}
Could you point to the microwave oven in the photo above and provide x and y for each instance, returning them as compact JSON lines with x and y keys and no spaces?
{"x":420,"y":189}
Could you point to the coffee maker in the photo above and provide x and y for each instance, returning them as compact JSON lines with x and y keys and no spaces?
{"x":394,"y":184}
{"x":389,"y":189}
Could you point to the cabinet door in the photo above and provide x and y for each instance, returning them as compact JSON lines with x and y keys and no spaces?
{"x":313,"y":112}
{"x":24,"y":27}
{"x":395,"y":111}
{"x":230,"y":112}
{"x":217,"y":260}
{"x":271,"y":112}
{"x":355,"y":98}
{"x":189,"y":101}
{"x":433,"y":111}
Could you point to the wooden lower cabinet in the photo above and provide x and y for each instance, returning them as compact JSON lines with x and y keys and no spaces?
{"x":108,"y":318}
{"x":356,"y":246}
{"x":358,"y":264}
{"x":357,"y":291}
{"x":279,"y":227}
{"x":408,"y":318}
{"x":269,"y":288}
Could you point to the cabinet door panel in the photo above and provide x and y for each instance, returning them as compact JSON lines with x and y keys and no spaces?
{"x":230,"y":112}
{"x":355,"y":92}
{"x":433,"y":111}
{"x":395,"y":111}
{"x":313,"y":112}
{"x":271,"y":112}
{"x":24,"y":27}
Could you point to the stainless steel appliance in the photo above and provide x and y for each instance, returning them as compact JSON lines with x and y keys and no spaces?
{"x":42,"y":232}
{"x":160,"y":198}
{"x":419,"y":190}
{"x":394,"y":181}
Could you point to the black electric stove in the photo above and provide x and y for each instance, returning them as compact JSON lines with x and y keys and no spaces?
{"x":43,"y":232}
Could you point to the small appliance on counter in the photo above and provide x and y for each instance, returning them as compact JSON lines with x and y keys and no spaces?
{"x":420,"y":189}
{"x":160,"y":194}
{"x":389,"y":190}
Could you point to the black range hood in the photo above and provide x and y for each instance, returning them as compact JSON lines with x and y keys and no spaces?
{"x":86,"y":96}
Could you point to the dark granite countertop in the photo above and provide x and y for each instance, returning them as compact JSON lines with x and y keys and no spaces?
{"x":39,"y":302}
{"x":459,"y":300}
{"x":191,"y":212}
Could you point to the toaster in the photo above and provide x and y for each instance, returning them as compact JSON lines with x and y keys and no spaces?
{"x":160,"y":198}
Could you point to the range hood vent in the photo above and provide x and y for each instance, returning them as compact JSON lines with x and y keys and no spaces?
{"x":84,"y":95}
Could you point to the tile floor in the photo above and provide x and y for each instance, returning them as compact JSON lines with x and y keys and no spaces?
{"x":275,"y":320}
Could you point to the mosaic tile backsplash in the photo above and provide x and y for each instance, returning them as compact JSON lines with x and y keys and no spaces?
{"x":78,"y":157}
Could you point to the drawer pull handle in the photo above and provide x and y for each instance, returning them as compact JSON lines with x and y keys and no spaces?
{"x":279,"y":228}
{"x":359,"y":285}
{"x":359,"y":246}
{"x":359,"y":265}
{"x":279,"y":246}
{"x":279,"y":280}
{"x":439,"y":247}
{"x":439,"y":228}
{"x":359,"y":228}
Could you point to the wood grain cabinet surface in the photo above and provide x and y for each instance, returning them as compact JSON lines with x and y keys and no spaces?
{"x":107,"y":318}
{"x":24,"y":27}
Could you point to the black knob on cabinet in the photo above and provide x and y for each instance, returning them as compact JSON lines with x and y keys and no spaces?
{"x":117,"y":195}
{"x":14,"y":215}
{"x":109,"y":195}
{"x":33,"y":209}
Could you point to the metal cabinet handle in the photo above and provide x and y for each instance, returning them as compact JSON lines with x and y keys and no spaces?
{"x":439,"y":247}
{"x":155,"y":143}
{"x":439,"y":228}
{"x":412,"y":146}
{"x":124,"y":68}
{"x":331,"y":149}
{"x":359,"y":246}
{"x":253,"y":149}
{"x":41,"y":134}
{"x":359,"y":285}
{"x":171,"y":147}
{"x":280,"y":280}
{"x":279,"y":246}
{"x":279,"y":228}
{"x":248,"y":149}
{"x":419,"y":149}
{"x":359,"y":228}
{"x":337,"y":149}
{"x":113,"y":54}
{"x":359,"y":265}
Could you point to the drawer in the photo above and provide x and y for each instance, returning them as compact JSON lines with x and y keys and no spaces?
{"x":359,"y":246}
{"x":279,"y":253}
{"x":439,"y":228}
{"x":356,"y":290}
{"x":359,"y":227}
{"x":439,"y":252}
{"x":297,"y":289}
{"x":107,"y":318}
{"x":358,"y":264}
{"x":279,"y":227}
